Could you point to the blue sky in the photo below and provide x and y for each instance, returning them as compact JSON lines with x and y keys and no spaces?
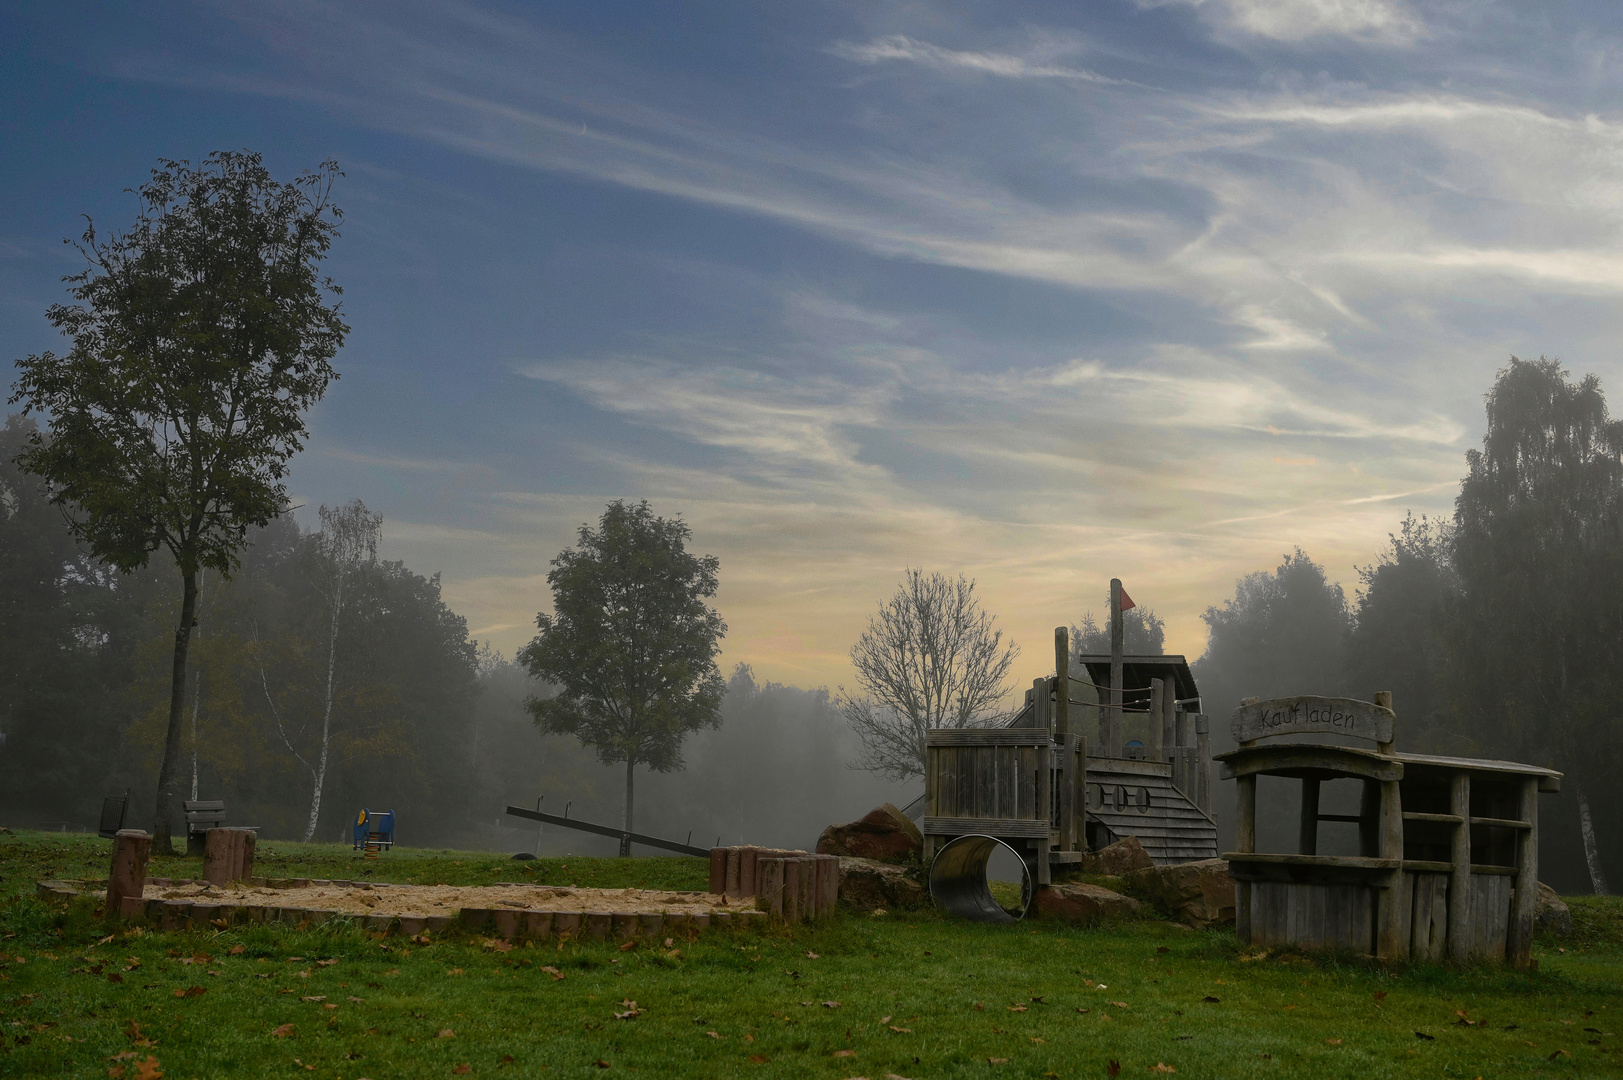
{"x":1041,"y":293}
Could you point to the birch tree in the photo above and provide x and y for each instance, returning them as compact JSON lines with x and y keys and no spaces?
{"x":931,"y":657}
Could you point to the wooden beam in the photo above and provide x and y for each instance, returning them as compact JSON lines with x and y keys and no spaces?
{"x":1459,"y":883}
{"x":1158,"y":697}
{"x":1389,"y":943}
{"x":1307,"y":839}
{"x":1062,"y":684}
{"x":1519,"y":941}
{"x":1111,"y":735}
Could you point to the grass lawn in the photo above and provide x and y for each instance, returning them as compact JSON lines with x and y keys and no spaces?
{"x":903,"y":994}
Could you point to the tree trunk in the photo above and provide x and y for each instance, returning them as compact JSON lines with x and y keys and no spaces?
{"x":1597,"y":879}
{"x":162,"y":825}
{"x":326,"y":713}
{"x":625,"y":837}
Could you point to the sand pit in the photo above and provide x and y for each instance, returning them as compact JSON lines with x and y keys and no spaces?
{"x":365,"y":898}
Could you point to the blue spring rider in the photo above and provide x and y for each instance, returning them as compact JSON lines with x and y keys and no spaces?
{"x":374,"y":832}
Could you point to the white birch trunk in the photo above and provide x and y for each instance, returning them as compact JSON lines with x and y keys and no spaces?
{"x":1586,"y":824}
{"x":326,"y":712}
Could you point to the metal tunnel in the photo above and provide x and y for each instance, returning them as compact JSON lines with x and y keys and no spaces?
{"x":958,"y":880}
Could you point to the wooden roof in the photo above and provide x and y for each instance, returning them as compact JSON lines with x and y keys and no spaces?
{"x":1138,"y":670}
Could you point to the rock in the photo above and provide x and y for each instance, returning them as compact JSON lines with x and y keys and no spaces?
{"x":1082,"y":903}
{"x":884,"y":834}
{"x":1196,"y":893}
{"x":1551,"y":912}
{"x":1117,"y":860}
{"x":868,"y":885}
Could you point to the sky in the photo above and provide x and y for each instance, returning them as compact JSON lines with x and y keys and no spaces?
{"x":1039,"y":293}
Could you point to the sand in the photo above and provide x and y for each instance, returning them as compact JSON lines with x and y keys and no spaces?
{"x":368,"y":899}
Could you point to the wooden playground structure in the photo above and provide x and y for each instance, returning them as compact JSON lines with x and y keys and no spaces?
{"x":1035,"y":785}
{"x":1447,"y":863}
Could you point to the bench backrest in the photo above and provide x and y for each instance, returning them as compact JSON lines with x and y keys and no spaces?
{"x":113,"y":809}
{"x":203,"y":812}
{"x":1307,"y":715}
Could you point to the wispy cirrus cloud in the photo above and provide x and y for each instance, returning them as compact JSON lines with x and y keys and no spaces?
{"x":901,"y":48}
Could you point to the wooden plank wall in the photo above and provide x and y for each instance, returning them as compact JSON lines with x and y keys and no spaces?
{"x":983,"y":782}
{"x":1172,"y":829}
{"x":1311,"y":916}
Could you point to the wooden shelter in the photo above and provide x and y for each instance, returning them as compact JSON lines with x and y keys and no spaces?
{"x":1447,"y":863}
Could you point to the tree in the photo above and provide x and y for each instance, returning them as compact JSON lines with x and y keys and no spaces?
{"x":630,"y":643}
{"x":1537,"y":633}
{"x":200,"y":338}
{"x":1397,"y":642}
{"x":930,"y":658}
{"x":1144,"y":633}
{"x":1284,"y":632}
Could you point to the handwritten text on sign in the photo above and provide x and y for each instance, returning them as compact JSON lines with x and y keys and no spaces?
{"x":1312,"y":716}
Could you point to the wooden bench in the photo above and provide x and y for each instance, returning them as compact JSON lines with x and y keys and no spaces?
{"x":201,"y":816}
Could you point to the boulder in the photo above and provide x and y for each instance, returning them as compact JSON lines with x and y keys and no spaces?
{"x":1081,"y":903}
{"x":1118,"y":859}
{"x":1551,"y":913}
{"x":885,"y":834}
{"x":1198,"y":894}
{"x":867,"y":885}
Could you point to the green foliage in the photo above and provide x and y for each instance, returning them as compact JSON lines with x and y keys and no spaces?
{"x":1143,"y":633}
{"x":200,"y":337}
{"x":1282,"y":633}
{"x":631,"y":644}
{"x":913,"y":995}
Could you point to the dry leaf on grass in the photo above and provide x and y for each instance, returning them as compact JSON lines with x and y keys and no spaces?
{"x":626,"y":947}
{"x":600,"y":1063}
{"x":1559,"y":1053}
{"x":1017,"y":1008}
{"x":146,"y":1069}
{"x":302,"y":1065}
{"x":714,"y":1035}
{"x":901,"y":1030}
{"x":1162,"y":1067}
{"x":1333,"y":1042}
{"x":845,"y":1053}
{"x":1211,"y":1000}
{"x":1112,"y":1068}
{"x":757,"y":1059}
{"x":446,"y":1033}
{"x":463,"y":1069}
{"x":1039,"y":1042}
{"x":812,"y":956}
{"x":192,"y":991}
{"x":997,"y":1061}
{"x":831,"y":1004}
{"x":314,"y":997}
{"x":283,"y":1032}
{"x":1119,"y":1004}
{"x":1423,"y":1035}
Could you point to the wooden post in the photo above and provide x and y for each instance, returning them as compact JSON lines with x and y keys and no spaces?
{"x":1168,"y":717}
{"x":128,"y":875}
{"x":1045,"y":811}
{"x":1062,"y":684}
{"x":1042,"y":713}
{"x":246,"y":843}
{"x":1308,"y":834}
{"x":1158,"y":695}
{"x":792,"y":894}
{"x":734,"y":866}
{"x":769,"y":873}
{"x":1519,"y":942}
{"x":808,"y":887}
{"x":219,"y":855}
{"x":1077,"y":775}
{"x":718,"y":871}
{"x":1245,"y":824}
{"x":1065,"y":772}
{"x":1203,"y":766}
{"x":1111,"y":735}
{"x":1389,"y":943}
{"x":1459,"y":882}
{"x":1383,"y":698}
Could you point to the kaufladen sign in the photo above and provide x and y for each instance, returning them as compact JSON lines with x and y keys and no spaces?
{"x":1312,"y":716}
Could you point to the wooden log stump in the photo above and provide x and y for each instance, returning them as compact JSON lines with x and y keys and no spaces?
{"x":808,"y":888}
{"x":748,"y":859}
{"x":128,"y":876}
{"x":828,"y":883}
{"x":769,"y":897}
{"x":506,"y":922}
{"x":793,"y":892}
{"x":650,"y":924}
{"x":595,"y":925}
{"x":413,"y":925}
{"x":735,"y":859}
{"x":718,"y":870}
{"x":566,"y":924}
{"x":536,"y":925}
{"x":624,"y":925}
{"x":219,"y":855}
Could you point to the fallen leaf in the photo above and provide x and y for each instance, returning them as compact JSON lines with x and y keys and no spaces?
{"x":812,"y":956}
{"x":192,"y":991}
{"x":901,"y":1030}
{"x":1552,"y":1057}
{"x":454,"y":971}
{"x":997,"y":1061}
{"x":463,"y":1069}
{"x":1039,"y":1042}
{"x":713,"y":1035}
{"x":283,"y":1032}
{"x":831,"y":1004}
{"x":238,"y":950}
{"x":1039,"y":1000}
{"x":326,"y":963}
{"x":1423,"y":1035}
{"x":314,"y":997}
{"x":310,"y":1068}
{"x":1213,"y":1000}
{"x":627,"y":947}
{"x":446,"y":1033}
{"x":147,"y":1069}
{"x":600,"y":1063}
{"x":884,"y":1019}
{"x":1017,"y":1008}
{"x":356,"y":1000}
{"x":114,"y":977}
{"x":1333,"y":1042}
{"x":845,"y":1053}
{"x":757,"y":1059}
{"x":980,"y":1006}
{"x":1162,"y":1067}
{"x":507,"y":1059}
{"x":116,"y":1072}
{"x":1080,"y":1009}
{"x":1119,"y":1004}
{"x":1162,"y":949}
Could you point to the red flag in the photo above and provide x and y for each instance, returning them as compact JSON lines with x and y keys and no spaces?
{"x":1126,"y":601}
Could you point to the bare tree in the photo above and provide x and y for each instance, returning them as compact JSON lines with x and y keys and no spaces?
{"x":930,"y":658}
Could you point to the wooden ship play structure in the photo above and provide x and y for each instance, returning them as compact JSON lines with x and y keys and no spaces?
{"x":1037,"y":787}
{"x":1447,"y":863}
